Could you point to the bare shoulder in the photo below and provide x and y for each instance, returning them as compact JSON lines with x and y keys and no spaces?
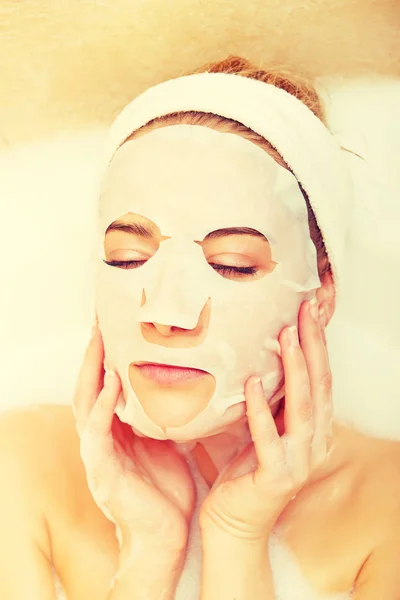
{"x":378,"y":510}
{"x":380,"y":492}
{"x":37,"y":432}
{"x":50,"y":520}
{"x":41,"y":444}
{"x":384,"y":462}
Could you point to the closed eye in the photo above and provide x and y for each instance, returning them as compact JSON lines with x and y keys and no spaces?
{"x":223,"y":269}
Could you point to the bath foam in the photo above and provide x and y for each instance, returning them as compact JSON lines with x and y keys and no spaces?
{"x":60,"y":594}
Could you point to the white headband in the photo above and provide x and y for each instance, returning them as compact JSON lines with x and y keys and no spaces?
{"x":298,"y":135}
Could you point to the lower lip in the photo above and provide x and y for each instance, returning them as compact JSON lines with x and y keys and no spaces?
{"x":167,"y":375}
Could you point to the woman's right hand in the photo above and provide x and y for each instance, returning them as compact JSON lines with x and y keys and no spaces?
{"x":143,"y":485}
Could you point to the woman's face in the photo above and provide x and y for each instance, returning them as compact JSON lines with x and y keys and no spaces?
{"x":237,"y":254}
{"x":207,"y":253}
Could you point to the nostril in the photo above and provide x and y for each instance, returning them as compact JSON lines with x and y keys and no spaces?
{"x":171,"y":336}
{"x":165,"y":330}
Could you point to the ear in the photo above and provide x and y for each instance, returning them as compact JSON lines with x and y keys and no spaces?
{"x":326,"y":295}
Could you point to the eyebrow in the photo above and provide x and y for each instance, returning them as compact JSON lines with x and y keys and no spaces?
{"x":132,"y":228}
{"x":219,"y":233}
{"x":147,"y":232}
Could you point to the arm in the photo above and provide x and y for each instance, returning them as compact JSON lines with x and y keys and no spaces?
{"x":235,"y":568}
{"x":145,"y":573}
{"x":380,"y":574}
{"x":25,"y":567}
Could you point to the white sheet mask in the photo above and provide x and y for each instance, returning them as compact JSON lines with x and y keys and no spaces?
{"x":189,"y":181}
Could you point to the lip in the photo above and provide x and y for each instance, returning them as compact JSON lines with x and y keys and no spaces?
{"x":168,"y":374}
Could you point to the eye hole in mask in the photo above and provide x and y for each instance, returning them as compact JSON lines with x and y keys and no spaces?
{"x":236,"y":253}
{"x":131,"y":241}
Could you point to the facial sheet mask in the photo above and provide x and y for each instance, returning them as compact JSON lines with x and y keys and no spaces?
{"x":189,"y":181}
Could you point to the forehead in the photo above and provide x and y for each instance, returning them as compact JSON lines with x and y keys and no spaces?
{"x":193,"y":176}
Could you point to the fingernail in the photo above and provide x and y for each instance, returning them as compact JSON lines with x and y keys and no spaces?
{"x":293,"y":338}
{"x":313,"y":306}
{"x":322,"y":317}
{"x":258,"y":400}
{"x":109,"y":377}
{"x":257,"y":383}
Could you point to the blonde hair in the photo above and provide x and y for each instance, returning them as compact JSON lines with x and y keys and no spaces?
{"x":291,"y":83}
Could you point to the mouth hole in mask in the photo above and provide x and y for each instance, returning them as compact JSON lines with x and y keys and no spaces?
{"x":238,"y":253}
{"x":169,"y":397}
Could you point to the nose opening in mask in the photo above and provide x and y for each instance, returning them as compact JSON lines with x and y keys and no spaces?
{"x":171,"y":335}
{"x":174,"y":301}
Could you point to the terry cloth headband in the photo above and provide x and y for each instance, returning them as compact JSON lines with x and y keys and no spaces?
{"x":306,"y":145}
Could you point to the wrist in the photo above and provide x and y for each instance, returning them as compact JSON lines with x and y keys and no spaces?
{"x":218,"y":530}
{"x":233,"y":547}
{"x":171,"y":541}
{"x":216,"y":542}
{"x":156,"y":551}
{"x":145,"y":579}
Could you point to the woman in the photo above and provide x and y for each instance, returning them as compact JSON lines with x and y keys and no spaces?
{"x":195,"y":279}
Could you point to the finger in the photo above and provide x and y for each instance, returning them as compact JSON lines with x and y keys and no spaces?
{"x":298,"y":400}
{"x":322,"y":322}
{"x":100,"y":420}
{"x":299,"y":419}
{"x":267,"y":443}
{"x":89,"y":380}
{"x":312,"y":341}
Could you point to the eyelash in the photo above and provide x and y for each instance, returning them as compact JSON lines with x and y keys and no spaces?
{"x":125,"y":264}
{"x":230,"y":270}
{"x":224,"y":269}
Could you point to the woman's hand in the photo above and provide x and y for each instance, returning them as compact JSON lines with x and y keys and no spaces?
{"x":252,"y":491}
{"x":141,"y":484}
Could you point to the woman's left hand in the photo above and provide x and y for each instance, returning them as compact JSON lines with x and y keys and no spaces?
{"x":252,"y":491}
